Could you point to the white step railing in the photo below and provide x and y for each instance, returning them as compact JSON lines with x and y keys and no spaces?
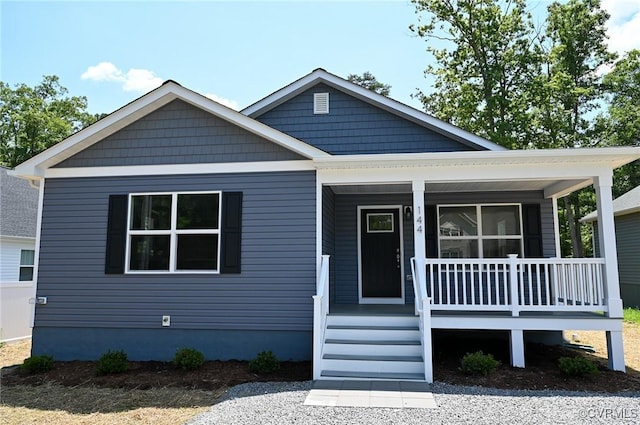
{"x":513,"y":284}
{"x":320,"y":312}
{"x":423,"y":310}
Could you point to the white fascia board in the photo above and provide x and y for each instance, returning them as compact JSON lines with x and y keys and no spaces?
{"x":181,"y":169}
{"x":368,"y":96}
{"x":35,"y":167}
{"x":606,"y":157}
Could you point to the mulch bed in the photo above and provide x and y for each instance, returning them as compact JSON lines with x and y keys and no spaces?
{"x":541,"y":372}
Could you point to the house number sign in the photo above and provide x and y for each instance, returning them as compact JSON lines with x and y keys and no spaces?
{"x":419,"y":220}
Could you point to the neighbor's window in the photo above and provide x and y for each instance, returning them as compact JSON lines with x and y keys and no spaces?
{"x":26,"y":264}
{"x":174,"y":232}
{"x":479,"y":231}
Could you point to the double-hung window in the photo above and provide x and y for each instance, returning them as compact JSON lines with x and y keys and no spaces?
{"x":27,"y":257}
{"x":479,"y":231}
{"x":174,"y":232}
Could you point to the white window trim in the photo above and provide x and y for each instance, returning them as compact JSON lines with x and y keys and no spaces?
{"x":380,"y":231}
{"x":173,"y":232}
{"x":32,"y":265}
{"x":480,"y":237}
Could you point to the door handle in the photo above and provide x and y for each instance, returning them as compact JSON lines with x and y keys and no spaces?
{"x":398,"y":258}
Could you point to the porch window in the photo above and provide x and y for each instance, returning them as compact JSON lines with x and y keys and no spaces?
{"x":479,"y":231}
{"x":174,"y":232}
{"x":27,"y":257}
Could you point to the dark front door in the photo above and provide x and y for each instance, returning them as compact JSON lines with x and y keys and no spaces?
{"x":380,"y":256}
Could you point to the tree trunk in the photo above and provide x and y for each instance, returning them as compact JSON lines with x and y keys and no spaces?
{"x":574,"y":229}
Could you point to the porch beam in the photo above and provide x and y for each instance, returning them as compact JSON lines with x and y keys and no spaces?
{"x":607,"y":239}
{"x":565,"y":187}
{"x":457,"y":173}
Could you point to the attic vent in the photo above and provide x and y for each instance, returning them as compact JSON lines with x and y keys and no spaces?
{"x":321,"y":103}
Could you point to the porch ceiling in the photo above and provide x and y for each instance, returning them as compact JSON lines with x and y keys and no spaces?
{"x":458,"y":186}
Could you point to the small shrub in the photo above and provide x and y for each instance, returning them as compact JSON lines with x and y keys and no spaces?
{"x":577,"y":366}
{"x":478,"y":363}
{"x":265,"y":362}
{"x":112,"y":362}
{"x":37,"y":364}
{"x":188,"y":359}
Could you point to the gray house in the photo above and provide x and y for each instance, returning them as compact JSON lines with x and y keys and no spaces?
{"x":323,"y":222}
{"x":626,"y":210}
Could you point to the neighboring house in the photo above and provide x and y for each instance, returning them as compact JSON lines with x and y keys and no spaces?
{"x":176,"y":222}
{"x":626,"y":211}
{"x":18,"y":215}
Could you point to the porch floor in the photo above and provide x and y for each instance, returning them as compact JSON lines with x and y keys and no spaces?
{"x":409,"y":310}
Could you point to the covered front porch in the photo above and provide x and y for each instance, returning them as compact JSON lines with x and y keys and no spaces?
{"x":454,"y":242}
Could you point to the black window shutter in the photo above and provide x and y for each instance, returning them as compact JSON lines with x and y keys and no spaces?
{"x":431,"y":230}
{"x":532,"y":227}
{"x":116,"y":234}
{"x":231,"y":232}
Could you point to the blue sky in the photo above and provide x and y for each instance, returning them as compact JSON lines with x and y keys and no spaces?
{"x":238,"y":52}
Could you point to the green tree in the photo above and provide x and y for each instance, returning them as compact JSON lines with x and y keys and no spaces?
{"x":485,"y":70}
{"x":369,"y":82}
{"x":620,"y":125}
{"x":577,"y":34}
{"x":500,"y":77}
{"x":33,"y":119}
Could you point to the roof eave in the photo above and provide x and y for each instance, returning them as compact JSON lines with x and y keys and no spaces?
{"x":35,"y":167}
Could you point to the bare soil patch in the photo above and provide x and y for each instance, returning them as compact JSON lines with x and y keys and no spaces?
{"x":541,"y":372}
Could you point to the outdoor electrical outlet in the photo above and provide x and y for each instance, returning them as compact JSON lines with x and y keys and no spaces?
{"x":166,"y":321}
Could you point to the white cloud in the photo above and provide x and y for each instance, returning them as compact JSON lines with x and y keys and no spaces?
{"x":623,"y":25}
{"x":226,"y":102}
{"x":138,"y":80}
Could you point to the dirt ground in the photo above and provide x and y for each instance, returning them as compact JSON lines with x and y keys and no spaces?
{"x":541,"y":371}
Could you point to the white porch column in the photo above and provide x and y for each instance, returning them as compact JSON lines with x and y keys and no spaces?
{"x":517,"y":347}
{"x":615,"y":351}
{"x":556,"y":227}
{"x":607,"y":236}
{"x":419,"y":243}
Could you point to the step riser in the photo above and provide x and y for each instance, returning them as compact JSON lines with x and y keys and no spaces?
{"x":373,"y":366}
{"x":373,"y":320}
{"x":373,"y":334}
{"x":367,"y":349}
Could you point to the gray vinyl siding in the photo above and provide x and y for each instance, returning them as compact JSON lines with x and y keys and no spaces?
{"x":329,"y":234}
{"x":628,"y":249}
{"x":628,"y":245}
{"x":346,"y":238}
{"x":346,"y":243}
{"x":353,"y":126}
{"x":273,"y":291}
{"x":179,"y":133}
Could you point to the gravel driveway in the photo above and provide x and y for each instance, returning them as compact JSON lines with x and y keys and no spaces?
{"x":282,"y":403}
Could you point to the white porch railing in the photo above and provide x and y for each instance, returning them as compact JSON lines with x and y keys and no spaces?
{"x":513,"y":284}
{"x":320,"y":312}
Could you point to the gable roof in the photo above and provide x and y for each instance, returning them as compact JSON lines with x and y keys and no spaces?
{"x":155,"y":99}
{"x":622,"y":205}
{"x":321,"y":76}
{"x":18,"y":206}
